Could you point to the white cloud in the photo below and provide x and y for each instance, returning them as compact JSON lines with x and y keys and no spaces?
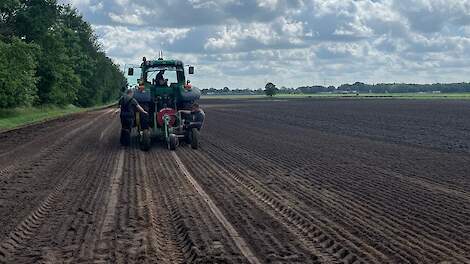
{"x":96,"y":7}
{"x":291,"y":42}
{"x":126,"y":45}
{"x":130,"y":19}
{"x":78,"y":3}
{"x":270,"y":4}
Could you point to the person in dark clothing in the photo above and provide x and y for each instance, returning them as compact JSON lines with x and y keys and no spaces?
{"x":195,"y":117}
{"x":160,"y":80}
{"x":128,"y":104}
{"x":144,"y":99}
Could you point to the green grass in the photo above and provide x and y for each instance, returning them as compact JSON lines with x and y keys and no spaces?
{"x":459,"y":96}
{"x":11,"y":118}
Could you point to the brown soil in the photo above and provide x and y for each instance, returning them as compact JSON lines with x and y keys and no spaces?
{"x":287,"y":181}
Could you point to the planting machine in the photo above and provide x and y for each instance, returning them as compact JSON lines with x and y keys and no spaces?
{"x":167,"y":96}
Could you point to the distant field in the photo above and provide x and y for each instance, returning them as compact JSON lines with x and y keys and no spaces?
{"x":360,"y":95}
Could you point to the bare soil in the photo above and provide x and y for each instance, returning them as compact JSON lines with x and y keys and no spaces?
{"x":275,"y":181}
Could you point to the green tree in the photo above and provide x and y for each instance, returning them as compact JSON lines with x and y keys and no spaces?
{"x":58,"y":82}
{"x":8,"y":10}
{"x":270,"y":89}
{"x":17,"y":73}
{"x":83,"y":51}
{"x":68,"y":65}
{"x":35,"y":19}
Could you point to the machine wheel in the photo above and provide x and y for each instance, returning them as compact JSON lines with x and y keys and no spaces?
{"x":145,"y":140}
{"x":194,"y":138}
{"x":172,"y":142}
{"x":125,"y":137}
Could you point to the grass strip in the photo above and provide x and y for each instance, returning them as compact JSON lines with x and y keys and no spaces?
{"x":17,"y":117}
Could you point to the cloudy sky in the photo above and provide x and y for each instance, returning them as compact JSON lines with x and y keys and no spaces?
{"x":244,"y":43}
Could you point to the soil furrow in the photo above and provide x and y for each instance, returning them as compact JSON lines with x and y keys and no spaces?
{"x":434,"y":245}
{"x":199,"y":234}
{"x":67,"y":233}
{"x":414,"y":212}
{"x":331,"y":181}
{"x":274,"y":252}
{"x":163,"y":231}
{"x":14,"y":241}
{"x":239,"y":241}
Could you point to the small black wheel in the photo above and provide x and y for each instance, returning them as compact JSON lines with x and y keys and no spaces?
{"x":194,"y":138}
{"x":172,"y":142}
{"x":125,"y":137}
{"x":145,"y":140}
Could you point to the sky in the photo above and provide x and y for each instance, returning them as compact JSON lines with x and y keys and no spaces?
{"x":292,"y":43}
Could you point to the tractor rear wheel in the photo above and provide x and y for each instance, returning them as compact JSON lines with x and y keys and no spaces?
{"x":194,"y":138}
{"x":145,"y":140}
{"x":172,"y":142}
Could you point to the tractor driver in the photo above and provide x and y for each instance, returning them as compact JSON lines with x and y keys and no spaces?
{"x":159,"y":78}
{"x":128,"y":105}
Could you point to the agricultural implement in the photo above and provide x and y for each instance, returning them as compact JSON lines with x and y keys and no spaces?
{"x":167,"y":96}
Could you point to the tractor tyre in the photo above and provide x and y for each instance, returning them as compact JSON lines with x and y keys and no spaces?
{"x":145,"y":140}
{"x":125,"y":137}
{"x":172,"y":142}
{"x":194,"y":138}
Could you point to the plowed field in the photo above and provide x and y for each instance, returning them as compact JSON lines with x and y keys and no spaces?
{"x":274,"y":181}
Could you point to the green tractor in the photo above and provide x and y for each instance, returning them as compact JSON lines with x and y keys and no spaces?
{"x":166,"y":94}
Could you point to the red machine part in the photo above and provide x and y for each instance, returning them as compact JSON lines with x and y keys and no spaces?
{"x":166,"y":112}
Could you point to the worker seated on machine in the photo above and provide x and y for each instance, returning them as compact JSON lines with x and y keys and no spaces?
{"x":195,"y":117}
{"x":160,"y":80}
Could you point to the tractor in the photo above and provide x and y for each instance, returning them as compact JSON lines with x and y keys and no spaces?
{"x":167,"y":96}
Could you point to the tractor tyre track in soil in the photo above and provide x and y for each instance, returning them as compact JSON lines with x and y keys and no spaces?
{"x":331,"y":182}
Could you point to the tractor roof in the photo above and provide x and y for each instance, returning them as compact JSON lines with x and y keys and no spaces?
{"x":160,"y":62}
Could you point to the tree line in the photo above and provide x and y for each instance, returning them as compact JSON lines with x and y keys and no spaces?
{"x":50,"y":55}
{"x":358,"y":87}
{"x":406,"y":88}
